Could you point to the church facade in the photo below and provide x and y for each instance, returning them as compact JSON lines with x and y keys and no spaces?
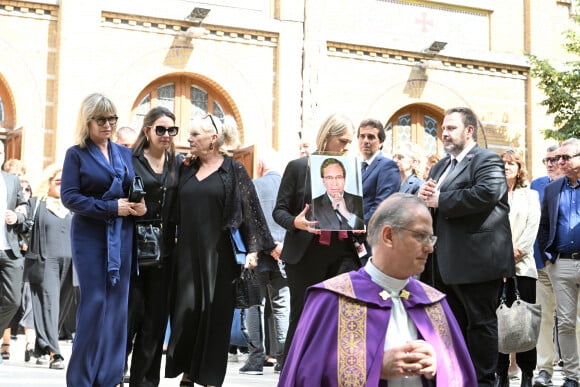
{"x":279,"y":67}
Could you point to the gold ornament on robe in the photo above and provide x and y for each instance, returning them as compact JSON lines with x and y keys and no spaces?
{"x":386,"y":295}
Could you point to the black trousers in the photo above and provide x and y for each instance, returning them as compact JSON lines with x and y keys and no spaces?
{"x":46,"y":304}
{"x":11,"y":273}
{"x":69,"y":295}
{"x":474,"y":308}
{"x":147,"y":321}
{"x":525,"y":360}
{"x":319,"y":263}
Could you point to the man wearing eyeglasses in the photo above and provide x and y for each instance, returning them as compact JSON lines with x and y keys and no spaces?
{"x":546,"y":353}
{"x":559,"y":241}
{"x":468,"y":194}
{"x":378,"y":323}
{"x":337,"y":209}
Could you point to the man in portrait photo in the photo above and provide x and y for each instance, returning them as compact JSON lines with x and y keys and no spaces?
{"x":337,"y":209}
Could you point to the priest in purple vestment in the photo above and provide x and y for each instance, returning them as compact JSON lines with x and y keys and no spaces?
{"x":378,"y":326}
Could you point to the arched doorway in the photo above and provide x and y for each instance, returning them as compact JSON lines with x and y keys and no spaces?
{"x":417,"y":123}
{"x":187,"y":96}
{"x":12,"y":138}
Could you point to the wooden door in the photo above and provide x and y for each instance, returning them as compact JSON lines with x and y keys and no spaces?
{"x":247,"y":157}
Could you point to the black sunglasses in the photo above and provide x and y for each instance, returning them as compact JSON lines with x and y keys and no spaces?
{"x":566,"y":157}
{"x":161,"y":130}
{"x":212,"y":122}
{"x":550,"y":160}
{"x":102,"y":120}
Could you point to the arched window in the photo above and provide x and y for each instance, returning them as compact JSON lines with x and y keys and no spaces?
{"x":416,"y":123}
{"x":187,"y":96}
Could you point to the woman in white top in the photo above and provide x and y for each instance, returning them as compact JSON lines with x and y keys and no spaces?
{"x":524,"y":220}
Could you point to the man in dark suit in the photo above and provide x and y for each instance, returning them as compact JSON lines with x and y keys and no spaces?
{"x":337,"y":209}
{"x":14,"y":208}
{"x":380,"y":175}
{"x":468,"y":195}
{"x":559,"y":240}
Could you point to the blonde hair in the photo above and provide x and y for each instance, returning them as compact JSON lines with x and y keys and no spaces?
{"x":94,"y":105}
{"x":227,"y":131}
{"x":48,"y":174}
{"x":334,"y":125}
{"x":414,"y":152}
{"x":15,"y":167}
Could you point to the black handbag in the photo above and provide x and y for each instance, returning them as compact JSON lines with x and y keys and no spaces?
{"x":149,"y":235}
{"x":518,"y":326}
{"x":136,"y":190}
{"x":34,"y":264}
{"x":247,"y":289}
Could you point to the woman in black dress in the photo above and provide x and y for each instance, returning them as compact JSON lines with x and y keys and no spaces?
{"x":154,"y":160}
{"x":214,"y":193}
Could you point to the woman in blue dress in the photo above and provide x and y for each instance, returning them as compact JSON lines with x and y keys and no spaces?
{"x":96,"y":177}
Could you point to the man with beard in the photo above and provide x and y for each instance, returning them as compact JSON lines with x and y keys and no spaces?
{"x":468,"y":196}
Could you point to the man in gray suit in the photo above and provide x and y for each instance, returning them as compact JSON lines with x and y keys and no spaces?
{"x":14,"y":207}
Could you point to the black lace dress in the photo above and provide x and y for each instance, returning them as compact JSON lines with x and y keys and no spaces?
{"x":201,"y":301}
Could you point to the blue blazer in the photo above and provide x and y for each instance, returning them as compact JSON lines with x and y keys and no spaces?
{"x":411,"y":185}
{"x":539,"y":185}
{"x":549,"y":220}
{"x":379,"y":181}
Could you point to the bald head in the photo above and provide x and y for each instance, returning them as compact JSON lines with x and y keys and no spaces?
{"x":396,"y":210}
{"x":126,"y":136}
{"x":401,"y":235}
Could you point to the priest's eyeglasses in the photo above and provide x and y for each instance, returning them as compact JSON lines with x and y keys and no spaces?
{"x":422,"y":237}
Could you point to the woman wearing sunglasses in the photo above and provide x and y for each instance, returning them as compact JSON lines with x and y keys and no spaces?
{"x":155,"y":161}
{"x":215,"y":192}
{"x":96,"y":177}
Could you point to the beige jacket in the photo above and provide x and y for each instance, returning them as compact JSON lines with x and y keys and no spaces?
{"x":525,"y":220}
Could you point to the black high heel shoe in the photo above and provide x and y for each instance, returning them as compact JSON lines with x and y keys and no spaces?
{"x":5,"y":352}
{"x":28,"y":353}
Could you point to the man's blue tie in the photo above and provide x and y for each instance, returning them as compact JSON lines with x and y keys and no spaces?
{"x":364,"y":166}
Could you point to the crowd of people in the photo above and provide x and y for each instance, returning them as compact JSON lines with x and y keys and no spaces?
{"x":399,"y":284}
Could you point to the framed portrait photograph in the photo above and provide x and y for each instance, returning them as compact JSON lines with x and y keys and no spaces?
{"x":337,"y":202}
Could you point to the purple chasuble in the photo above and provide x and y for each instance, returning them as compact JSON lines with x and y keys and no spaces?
{"x":350,"y":304}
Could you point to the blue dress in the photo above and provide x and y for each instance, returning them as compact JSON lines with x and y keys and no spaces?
{"x":98,"y":353}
